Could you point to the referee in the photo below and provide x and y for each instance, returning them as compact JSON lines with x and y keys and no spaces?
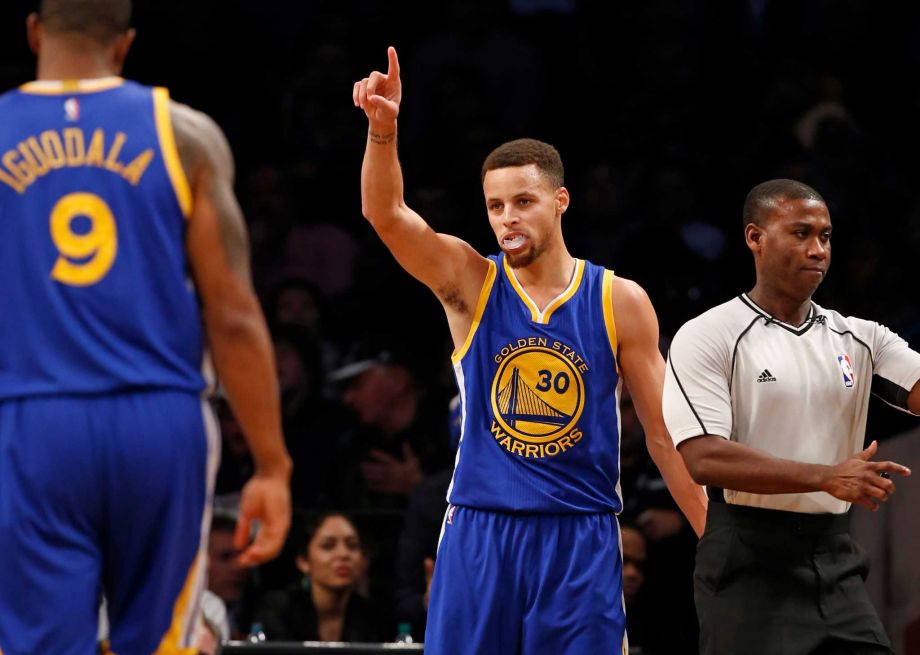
{"x":766,"y":398}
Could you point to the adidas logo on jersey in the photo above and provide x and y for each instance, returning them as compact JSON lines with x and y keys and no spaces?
{"x":766,"y":376}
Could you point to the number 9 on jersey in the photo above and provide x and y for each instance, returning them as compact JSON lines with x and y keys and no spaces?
{"x":85,"y":258}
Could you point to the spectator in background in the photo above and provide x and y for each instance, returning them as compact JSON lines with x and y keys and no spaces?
{"x":325,"y":604}
{"x":637,"y":617}
{"x":402,"y":433}
{"x":227,"y":578}
{"x":667,"y":539}
{"x":309,"y":420}
{"x":417,"y":549}
{"x":298,"y":301}
{"x":236,"y":464}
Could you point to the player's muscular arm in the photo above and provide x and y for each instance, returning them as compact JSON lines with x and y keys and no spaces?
{"x":643,"y":370}
{"x":238,"y":338}
{"x":716,"y":461}
{"x":447,"y":265}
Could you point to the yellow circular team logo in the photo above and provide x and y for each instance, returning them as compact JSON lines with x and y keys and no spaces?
{"x":537,"y":395}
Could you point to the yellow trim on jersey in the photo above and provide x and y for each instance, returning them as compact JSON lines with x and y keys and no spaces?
{"x":171,"y":642}
{"x":64,"y":87}
{"x":535,"y":314}
{"x":573,"y":287}
{"x":609,"y":321}
{"x":170,"y":151}
{"x":534,"y":310}
{"x":477,"y":315}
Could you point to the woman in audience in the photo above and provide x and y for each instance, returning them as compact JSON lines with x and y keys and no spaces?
{"x":325,"y":605}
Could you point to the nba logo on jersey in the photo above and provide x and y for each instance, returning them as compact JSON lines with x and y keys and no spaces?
{"x":450,"y":514}
{"x":72,"y":109}
{"x":846,"y":367}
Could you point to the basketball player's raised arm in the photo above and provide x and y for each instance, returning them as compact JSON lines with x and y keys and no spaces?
{"x":643,"y":370}
{"x":238,"y":338}
{"x":445,"y":264}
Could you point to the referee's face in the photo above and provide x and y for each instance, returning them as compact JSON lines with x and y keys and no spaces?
{"x":792,"y":248}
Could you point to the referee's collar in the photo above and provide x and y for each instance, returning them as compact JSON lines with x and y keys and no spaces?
{"x":812,"y":318}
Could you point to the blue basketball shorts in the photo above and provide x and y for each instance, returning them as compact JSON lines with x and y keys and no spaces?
{"x":106,"y":494}
{"x":528,"y":584}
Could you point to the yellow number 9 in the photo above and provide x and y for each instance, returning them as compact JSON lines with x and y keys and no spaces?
{"x":98,"y":246}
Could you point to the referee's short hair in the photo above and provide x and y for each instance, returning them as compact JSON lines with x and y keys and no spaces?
{"x":763,"y":198}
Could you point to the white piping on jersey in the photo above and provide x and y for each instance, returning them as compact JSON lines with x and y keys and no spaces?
{"x":539,"y":315}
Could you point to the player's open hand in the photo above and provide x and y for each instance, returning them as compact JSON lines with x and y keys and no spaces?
{"x":862,"y":481}
{"x":266,"y":499}
{"x":379,"y":94}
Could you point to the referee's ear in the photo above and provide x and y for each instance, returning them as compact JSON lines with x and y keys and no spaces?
{"x":753,"y":237}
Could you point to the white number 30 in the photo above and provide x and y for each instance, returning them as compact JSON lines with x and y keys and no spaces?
{"x":85,"y":258}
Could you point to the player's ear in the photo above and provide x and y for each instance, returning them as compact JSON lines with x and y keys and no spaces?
{"x":562,"y":200}
{"x":121,"y":47}
{"x":34,"y":33}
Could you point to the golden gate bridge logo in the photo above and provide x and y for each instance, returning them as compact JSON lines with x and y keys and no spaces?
{"x":518,"y":402}
{"x":537,"y":394}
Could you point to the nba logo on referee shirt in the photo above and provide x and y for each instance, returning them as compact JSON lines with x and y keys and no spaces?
{"x":846,"y":367}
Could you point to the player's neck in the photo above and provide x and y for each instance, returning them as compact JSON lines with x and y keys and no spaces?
{"x":68,"y":62}
{"x":781,"y":306}
{"x":550,"y":272}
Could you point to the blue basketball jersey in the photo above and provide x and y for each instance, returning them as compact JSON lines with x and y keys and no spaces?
{"x":540,"y":398}
{"x":93,"y":205}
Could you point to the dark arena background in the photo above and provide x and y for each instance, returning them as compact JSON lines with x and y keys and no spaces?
{"x":665,"y":112}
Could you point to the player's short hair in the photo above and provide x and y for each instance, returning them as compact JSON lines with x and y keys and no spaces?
{"x":102,"y":20}
{"x":522,"y":152}
{"x":763,"y":198}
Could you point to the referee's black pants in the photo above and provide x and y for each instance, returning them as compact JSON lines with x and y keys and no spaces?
{"x":783,"y":583}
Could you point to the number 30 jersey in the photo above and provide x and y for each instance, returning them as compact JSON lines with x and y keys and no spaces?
{"x":540,"y":394}
{"x":94,"y":284}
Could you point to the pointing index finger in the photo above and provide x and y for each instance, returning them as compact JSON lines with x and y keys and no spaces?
{"x":393,"y":70}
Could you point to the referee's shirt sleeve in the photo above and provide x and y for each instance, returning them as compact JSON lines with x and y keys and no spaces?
{"x":697,"y":398}
{"x":895,"y":367}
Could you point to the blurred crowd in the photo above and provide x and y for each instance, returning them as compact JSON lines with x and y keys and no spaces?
{"x":666,"y":112}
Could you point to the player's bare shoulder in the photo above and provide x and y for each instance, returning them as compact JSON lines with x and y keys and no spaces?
{"x":200,"y":141}
{"x":628,"y":298}
{"x":633,"y":313}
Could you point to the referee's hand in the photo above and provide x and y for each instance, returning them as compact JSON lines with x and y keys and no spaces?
{"x":862,"y":481}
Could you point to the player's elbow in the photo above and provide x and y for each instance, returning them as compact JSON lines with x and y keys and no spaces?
{"x":233,"y":319}
{"x":380,"y":216}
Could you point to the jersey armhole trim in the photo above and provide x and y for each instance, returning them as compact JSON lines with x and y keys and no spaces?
{"x":170,"y":151}
{"x":477,"y":315}
{"x":609,"y":321}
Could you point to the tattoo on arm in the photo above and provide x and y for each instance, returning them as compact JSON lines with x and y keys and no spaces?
{"x":382,"y":139}
{"x":208,"y":163}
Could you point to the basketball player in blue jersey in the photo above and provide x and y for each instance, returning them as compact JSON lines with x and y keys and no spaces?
{"x":529,"y":559}
{"x":119,"y":233}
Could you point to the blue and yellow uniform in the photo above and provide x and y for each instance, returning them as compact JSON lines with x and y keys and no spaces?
{"x":102,"y":416}
{"x":530,"y":543}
